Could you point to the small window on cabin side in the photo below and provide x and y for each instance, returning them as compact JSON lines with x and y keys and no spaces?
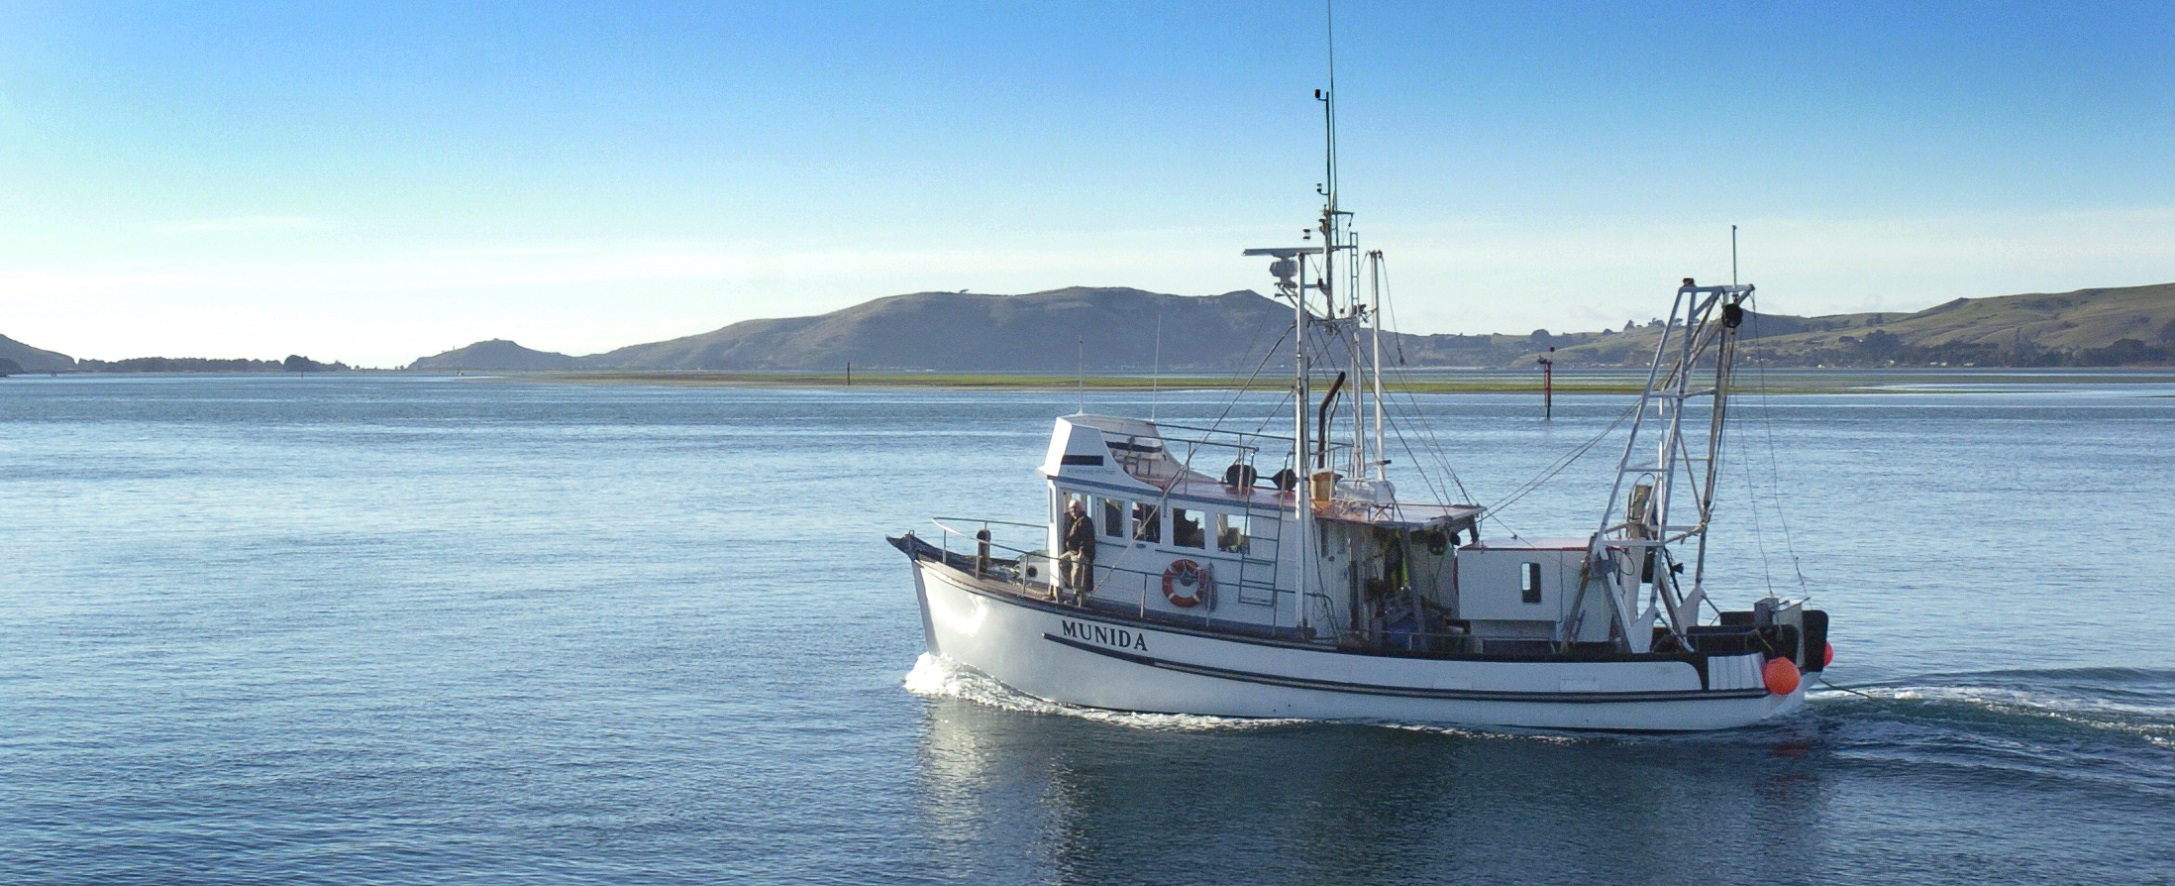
{"x":1113,"y":518}
{"x":1187,"y":530}
{"x":1147,"y":522}
{"x":1529,"y":582}
{"x":1231,"y":533}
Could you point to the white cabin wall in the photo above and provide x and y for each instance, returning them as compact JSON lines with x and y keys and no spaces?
{"x":1054,"y":540}
{"x":1130,"y":571}
{"x":1491,"y":596}
{"x":1599,"y":611}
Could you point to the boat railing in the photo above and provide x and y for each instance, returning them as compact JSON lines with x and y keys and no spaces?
{"x":984,"y":543}
{"x":1227,"y":438}
{"x":986,"y":560}
{"x":1108,"y":575}
{"x":1162,"y":458}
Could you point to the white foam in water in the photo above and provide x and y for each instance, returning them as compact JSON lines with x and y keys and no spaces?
{"x":937,"y":676}
{"x":1460,"y":732}
{"x":2154,"y":723}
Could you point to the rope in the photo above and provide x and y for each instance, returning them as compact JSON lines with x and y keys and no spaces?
{"x":1824,"y":682}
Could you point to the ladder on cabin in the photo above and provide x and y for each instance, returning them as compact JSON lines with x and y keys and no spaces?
{"x":1256,"y":583}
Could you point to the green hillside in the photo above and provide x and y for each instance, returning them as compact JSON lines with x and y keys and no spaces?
{"x":2129,"y":326}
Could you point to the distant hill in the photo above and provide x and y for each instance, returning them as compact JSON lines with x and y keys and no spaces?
{"x":496,"y":355}
{"x":1115,"y":329}
{"x":2129,"y":326}
{"x":1104,"y":329}
{"x":33,"y":359}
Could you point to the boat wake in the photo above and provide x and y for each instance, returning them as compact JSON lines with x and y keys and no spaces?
{"x":2115,"y":701}
{"x":2118,"y":721}
{"x":2109,"y":726}
{"x":938,"y":677}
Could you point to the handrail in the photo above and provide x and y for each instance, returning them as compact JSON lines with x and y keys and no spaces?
{"x":1280,"y":438}
{"x":1117,"y":570}
{"x":983,"y":544}
{"x":940,"y":522}
{"x":1214,"y":432}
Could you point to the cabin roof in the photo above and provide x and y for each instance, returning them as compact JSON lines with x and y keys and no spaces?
{"x":1089,"y":451}
{"x":1529,"y":544}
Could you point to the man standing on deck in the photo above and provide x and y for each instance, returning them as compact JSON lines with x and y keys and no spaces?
{"x":1079,"y":554}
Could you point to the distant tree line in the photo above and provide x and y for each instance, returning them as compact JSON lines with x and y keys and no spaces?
{"x":1881,"y":348}
{"x":294,"y":363}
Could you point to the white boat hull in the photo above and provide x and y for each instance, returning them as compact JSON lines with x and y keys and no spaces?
{"x":1091,"y":658}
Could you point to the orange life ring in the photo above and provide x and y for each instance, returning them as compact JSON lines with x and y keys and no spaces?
{"x":1186,"y":584}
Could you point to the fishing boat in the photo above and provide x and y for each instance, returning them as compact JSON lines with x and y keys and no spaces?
{"x":1219,"y":571}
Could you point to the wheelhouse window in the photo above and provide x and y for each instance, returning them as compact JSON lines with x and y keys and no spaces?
{"x":1147,"y":522}
{"x":1231,"y":533}
{"x":1187,"y":529}
{"x":1113,"y":518}
{"x":1529,"y":582}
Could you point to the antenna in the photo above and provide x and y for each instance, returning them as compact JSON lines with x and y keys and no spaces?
{"x":1155,"y":373}
{"x":1732,"y":255}
{"x":1079,"y":369}
{"x":1329,"y":32}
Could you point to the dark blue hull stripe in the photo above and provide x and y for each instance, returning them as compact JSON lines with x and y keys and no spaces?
{"x":1408,"y":691}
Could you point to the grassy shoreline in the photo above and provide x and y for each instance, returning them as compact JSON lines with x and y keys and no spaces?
{"x":1032,"y":382}
{"x":1793,"y":381}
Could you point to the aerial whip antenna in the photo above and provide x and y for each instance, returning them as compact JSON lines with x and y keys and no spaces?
{"x":1155,"y":373}
{"x":1328,"y":98}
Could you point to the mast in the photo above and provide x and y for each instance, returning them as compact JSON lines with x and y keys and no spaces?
{"x":1327,"y":282}
{"x":1301,"y":490}
{"x":1289,"y":269}
{"x":1291,"y":262}
{"x":1374,"y":317}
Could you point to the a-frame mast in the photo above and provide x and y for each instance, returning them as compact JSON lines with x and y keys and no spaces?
{"x":1642,"y":524}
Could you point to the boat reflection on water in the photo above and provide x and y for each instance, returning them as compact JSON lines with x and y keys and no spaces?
{"x":1023,"y":791}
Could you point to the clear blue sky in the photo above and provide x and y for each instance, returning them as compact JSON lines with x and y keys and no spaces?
{"x":377,"y":181}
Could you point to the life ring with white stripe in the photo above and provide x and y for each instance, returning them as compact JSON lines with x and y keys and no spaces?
{"x":1188,"y":584}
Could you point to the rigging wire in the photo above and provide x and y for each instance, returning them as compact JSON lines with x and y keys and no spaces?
{"x":1434,"y":486}
{"x":1563,"y":462}
{"x":1432,"y":443}
{"x":1247,"y":385}
{"x":1759,"y":540}
{"x":1752,"y":491}
{"x":1155,"y":374}
{"x":1774,"y":471}
{"x":1261,"y":428}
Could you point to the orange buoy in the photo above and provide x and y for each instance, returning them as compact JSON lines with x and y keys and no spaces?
{"x":1827,"y":654}
{"x":1780,"y":675}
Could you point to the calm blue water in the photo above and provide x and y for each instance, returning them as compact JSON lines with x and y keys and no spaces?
{"x":395,"y":630}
